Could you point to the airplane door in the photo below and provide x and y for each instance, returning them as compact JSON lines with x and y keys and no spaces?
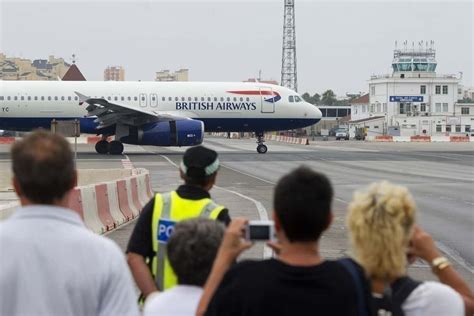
{"x":267,"y":101}
{"x":143,"y":99}
{"x":153,"y":100}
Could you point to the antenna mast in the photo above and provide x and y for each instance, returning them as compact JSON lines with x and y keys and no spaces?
{"x":288,"y":61}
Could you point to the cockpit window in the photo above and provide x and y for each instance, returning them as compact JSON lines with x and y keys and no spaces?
{"x":297,"y":99}
{"x":291,"y":98}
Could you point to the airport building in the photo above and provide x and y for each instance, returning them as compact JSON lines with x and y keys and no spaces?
{"x":166,"y":75}
{"x":114,"y":73}
{"x":14,"y":68}
{"x":413,"y":100}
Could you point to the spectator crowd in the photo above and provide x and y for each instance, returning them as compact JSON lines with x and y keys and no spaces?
{"x":184,"y":251}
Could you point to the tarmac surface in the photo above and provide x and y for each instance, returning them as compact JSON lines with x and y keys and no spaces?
{"x":439,"y":175}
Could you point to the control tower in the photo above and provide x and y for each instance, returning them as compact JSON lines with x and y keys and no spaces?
{"x":415,"y":62}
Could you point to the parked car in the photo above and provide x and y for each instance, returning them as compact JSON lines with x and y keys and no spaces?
{"x":342,"y":133}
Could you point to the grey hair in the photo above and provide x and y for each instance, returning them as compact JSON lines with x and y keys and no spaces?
{"x":192,"y":249}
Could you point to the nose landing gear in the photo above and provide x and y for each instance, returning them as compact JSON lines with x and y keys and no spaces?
{"x":261,"y":147}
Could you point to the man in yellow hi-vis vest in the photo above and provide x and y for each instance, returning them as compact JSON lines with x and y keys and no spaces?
{"x":146,"y":251}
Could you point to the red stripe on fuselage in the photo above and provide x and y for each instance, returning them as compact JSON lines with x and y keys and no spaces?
{"x":246,"y":92}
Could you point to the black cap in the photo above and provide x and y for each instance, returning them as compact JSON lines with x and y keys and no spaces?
{"x":196,"y":160}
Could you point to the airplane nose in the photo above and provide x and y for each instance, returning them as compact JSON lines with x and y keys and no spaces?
{"x":314,"y":112}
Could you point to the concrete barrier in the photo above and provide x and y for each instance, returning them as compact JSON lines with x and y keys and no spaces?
{"x":439,"y":139}
{"x":459,"y":139}
{"x":7,"y":140}
{"x":105,"y":206}
{"x":420,"y":139}
{"x":288,"y":139}
{"x":384,"y":138}
{"x":400,"y":139}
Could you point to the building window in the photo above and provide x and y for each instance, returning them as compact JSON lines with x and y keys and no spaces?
{"x":423,"y":107}
{"x":448,"y":128}
{"x":458,"y":128}
{"x":438,"y":107}
{"x":385,"y":107}
{"x":445,"y":89}
{"x":372,"y":90}
{"x":378,"y":108}
{"x":438,"y":129}
{"x":465,"y":111}
{"x":402,"y":108}
{"x":422,"y":89}
{"x":376,"y":126}
{"x":438,"y":89}
{"x":445,"y":107}
{"x":467,"y":128}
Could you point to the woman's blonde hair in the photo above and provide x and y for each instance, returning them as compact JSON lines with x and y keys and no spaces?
{"x":381,"y":221}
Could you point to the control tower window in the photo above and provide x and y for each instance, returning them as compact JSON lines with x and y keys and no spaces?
{"x":438,"y":89}
{"x":445,"y":89}
{"x":291,"y":98}
{"x":422,"y":89}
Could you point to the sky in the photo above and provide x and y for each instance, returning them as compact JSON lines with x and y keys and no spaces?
{"x":340,"y":44}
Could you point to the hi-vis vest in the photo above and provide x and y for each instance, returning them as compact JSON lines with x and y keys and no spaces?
{"x":169,"y":209}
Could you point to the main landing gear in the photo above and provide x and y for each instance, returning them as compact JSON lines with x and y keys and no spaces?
{"x":261,"y":148}
{"x":115,"y":147}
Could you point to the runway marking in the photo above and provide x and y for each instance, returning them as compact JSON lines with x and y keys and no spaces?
{"x":455,"y":256}
{"x":262,"y":211}
{"x":127,"y":163}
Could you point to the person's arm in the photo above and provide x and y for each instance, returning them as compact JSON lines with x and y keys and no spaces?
{"x":140,"y":246}
{"x":141,"y":273}
{"x":423,"y":246}
{"x":232,"y":245}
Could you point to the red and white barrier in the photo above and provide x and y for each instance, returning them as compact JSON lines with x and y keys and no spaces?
{"x":421,"y":139}
{"x":288,"y":139}
{"x":105,"y":206}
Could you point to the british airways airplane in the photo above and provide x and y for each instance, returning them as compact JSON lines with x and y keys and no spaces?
{"x":154,"y":113}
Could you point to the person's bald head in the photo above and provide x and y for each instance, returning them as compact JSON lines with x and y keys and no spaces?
{"x":43,"y":167}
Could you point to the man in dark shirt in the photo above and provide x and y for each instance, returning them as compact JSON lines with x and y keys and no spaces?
{"x":198,"y":170}
{"x":299,"y":281}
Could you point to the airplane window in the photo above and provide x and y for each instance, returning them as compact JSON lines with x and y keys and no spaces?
{"x":196,"y":99}
{"x":248,"y":99}
{"x":215,"y":99}
{"x":42,"y":98}
{"x":183,"y":98}
{"x":49,"y":98}
{"x":115,"y":98}
{"x":36,"y":98}
{"x":241,"y":99}
{"x":297,"y":98}
{"x":69,"y":98}
{"x":8,"y":98}
{"x":176,"y":98}
{"x":163,"y":98}
{"x":62,"y":98}
{"x":56,"y":98}
{"x":190,"y":99}
{"x":76,"y":98}
{"x":22,"y":98}
{"x":170,"y":99}
{"x":143,"y":98}
{"x":202,"y":98}
{"x":291,"y":98}
{"x":235,"y":99}
{"x":122,"y":98}
{"x":108,"y":98}
{"x":1,"y":97}
{"x":135,"y":99}
{"x":228,"y":99}
{"x":222,"y":99}
{"x":16,"y":98}
{"x":29,"y":98}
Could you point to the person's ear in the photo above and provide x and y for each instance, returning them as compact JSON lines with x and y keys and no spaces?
{"x":181,"y":175}
{"x":276,"y":222}
{"x":16,"y":186}
{"x":330,"y":219}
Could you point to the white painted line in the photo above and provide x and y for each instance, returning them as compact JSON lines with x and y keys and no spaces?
{"x":455,"y":256}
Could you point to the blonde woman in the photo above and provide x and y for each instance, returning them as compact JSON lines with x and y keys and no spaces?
{"x":384,"y":238}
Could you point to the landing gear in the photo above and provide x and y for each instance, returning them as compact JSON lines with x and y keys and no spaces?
{"x":115,"y":147}
{"x":261,"y":148}
{"x":102,"y":147}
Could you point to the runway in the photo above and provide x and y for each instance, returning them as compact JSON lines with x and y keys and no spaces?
{"x":439,"y":175}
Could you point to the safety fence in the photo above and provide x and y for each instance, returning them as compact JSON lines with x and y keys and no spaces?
{"x":288,"y":139}
{"x":421,"y":139}
{"x":80,"y":140}
{"x":105,"y":206}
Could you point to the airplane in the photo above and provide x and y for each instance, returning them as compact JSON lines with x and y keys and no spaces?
{"x":154,"y":113}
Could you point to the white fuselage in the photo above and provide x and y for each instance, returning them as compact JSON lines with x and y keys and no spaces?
{"x":25,"y":105}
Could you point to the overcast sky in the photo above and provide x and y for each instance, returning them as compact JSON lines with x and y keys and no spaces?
{"x":339,"y":44}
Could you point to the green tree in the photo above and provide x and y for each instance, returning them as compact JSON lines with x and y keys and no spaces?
{"x":329,"y":98}
{"x":316,"y":98}
{"x":307,"y":97}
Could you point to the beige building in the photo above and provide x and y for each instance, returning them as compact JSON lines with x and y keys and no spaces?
{"x":114,"y":73}
{"x":166,"y":75}
{"x":14,"y":68}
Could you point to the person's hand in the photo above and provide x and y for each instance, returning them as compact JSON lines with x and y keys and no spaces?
{"x":422,"y":245}
{"x":233,"y":242}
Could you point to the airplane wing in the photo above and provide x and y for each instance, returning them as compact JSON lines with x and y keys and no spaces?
{"x":108,"y":113}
